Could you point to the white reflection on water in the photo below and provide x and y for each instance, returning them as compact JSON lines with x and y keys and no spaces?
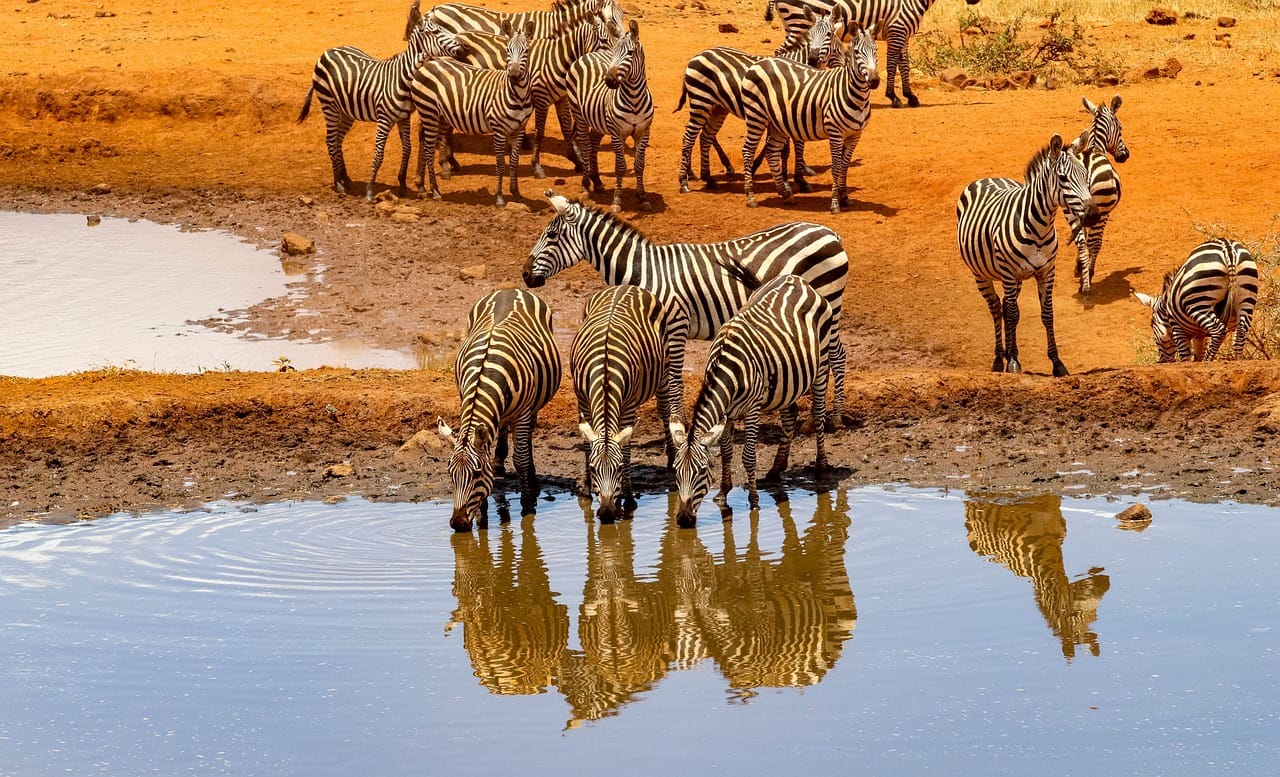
{"x":121,"y":294}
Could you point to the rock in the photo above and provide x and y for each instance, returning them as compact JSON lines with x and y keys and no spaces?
{"x":100,"y":189}
{"x":1025,"y":79}
{"x":955,"y":78}
{"x":1171,"y":68}
{"x":999,"y":83}
{"x":517,"y":207}
{"x":426,"y":441}
{"x":93,"y":219}
{"x":728,"y":28}
{"x":476,"y":272}
{"x":1226,"y":21}
{"x":308,"y":201}
{"x":1108,"y":80}
{"x":1162,"y":16}
{"x":385,"y":208}
{"x":403,"y":217}
{"x":343,"y":470}
{"x":1138,"y":512}
{"x":386,"y":195}
{"x":294,"y":244}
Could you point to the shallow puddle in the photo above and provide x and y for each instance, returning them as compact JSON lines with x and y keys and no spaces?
{"x":128,"y":293}
{"x":870,"y":631}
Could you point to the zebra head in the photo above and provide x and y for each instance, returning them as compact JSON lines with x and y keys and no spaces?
{"x":428,"y":39}
{"x":517,"y":49}
{"x":627,"y":65}
{"x":692,"y":467}
{"x":1161,"y":327}
{"x":822,"y":41}
{"x":561,"y":245}
{"x":606,"y":461}
{"x":1105,"y":132}
{"x":609,"y":21}
{"x":471,"y":470}
{"x":860,"y":58}
{"x":1071,"y":170}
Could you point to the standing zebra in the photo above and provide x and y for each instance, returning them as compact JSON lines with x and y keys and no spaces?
{"x":507,"y":369}
{"x":713,"y":88}
{"x":790,"y":100}
{"x":619,"y":360}
{"x":609,"y":94}
{"x":1006,"y":233}
{"x":711,"y":281}
{"x":1213,"y":291}
{"x":461,"y":17}
{"x":896,"y":20}
{"x":450,"y":94}
{"x":353,"y":86}
{"x":1104,"y":139}
{"x":773,"y":352}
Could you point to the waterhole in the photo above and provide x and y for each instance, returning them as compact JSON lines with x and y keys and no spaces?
{"x":867,"y":631}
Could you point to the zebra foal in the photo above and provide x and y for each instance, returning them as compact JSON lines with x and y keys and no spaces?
{"x":353,"y":86}
{"x":452,"y":95}
{"x":792,"y":101}
{"x":1214,"y":291}
{"x":609,"y":95}
{"x":1104,"y":138}
{"x":711,"y":281}
{"x":507,"y":369}
{"x":619,"y":360}
{"x":1006,"y":233}
{"x":774,"y":351}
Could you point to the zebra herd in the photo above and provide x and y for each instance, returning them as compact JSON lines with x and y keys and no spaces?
{"x":770,"y":301}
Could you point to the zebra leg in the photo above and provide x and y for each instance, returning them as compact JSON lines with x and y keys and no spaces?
{"x":995,"y":308}
{"x":564,"y":115}
{"x":782,"y":457}
{"x":500,"y":141}
{"x":1217,"y":332}
{"x":379,"y":146}
{"x":539,"y":131}
{"x":818,"y":412}
{"x":1181,"y":343}
{"x":514,"y":162}
{"x":754,"y":131}
{"x":1093,"y":243}
{"x":1044,"y":286}
{"x":751,"y":434}
{"x":717,"y":121}
{"x":529,"y":484}
{"x":642,"y":147}
{"x":1244,"y":320}
{"x":802,"y":167}
{"x":1081,"y":239}
{"x":774,"y":145}
{"x":1011,"y":315}
{"x":837,"y":359}
{"x":850,"y":144}
{"x":904,"y":69}
{"x":428,"y":137}
{"x":619,"y":169}
{"x":339,"y":126}
{"x":593,"y":166}
{"x":839,"y":171}
{"x":405,"y":150}
{"x":693,"y":131}
{"x":893,"y":52}
{"x":628,"y":494}
{"x":726,"y":460}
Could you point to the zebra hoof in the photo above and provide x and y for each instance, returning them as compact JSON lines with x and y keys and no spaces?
{"x":835,"y":209}
{"x":1059,"y":369}
{"x":896,"y":103}
{"x":710,"y":184}
{"x":538,"y":172}
{"x":808,"y":171}
{"x":615,"y":207}
{"x":997,"y":365}
{"x":1013,"y":366}
{"x":913,"y":101}
{"x":498,"y":202}
{"x":751,"y":203}
{"x":684,"y":187}
{"x":803,"y":187}
{"x":646,"y":206}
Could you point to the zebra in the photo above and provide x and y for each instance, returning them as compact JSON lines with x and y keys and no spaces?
{"x":1213,"y":291}
{"x":1005,"y":230}
{"x":897,"y":20}
{"x":778,"y":348}
{"x":462,"y":17}
{"x":713,"y":88}
{"x":549,"y":63}
{"x":609,"y":94}
{"x":507,"y":369}
{"x":711,"y":281}
{"x":479,"y":102}
{"x":619,"y":360}
{"x":790,"y":100}
{"x":1104,"y":138}
{"x":353,"y":86}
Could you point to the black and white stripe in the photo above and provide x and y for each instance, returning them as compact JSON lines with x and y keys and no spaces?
{"x":507,"y":369}
{"x":620,"y":359}
{"x":711,"y":281}
{"x":463,"y":17}
{"x":1006,"y":233}
{"x":1213,"y":292}
{"x":353,"y":86}
{"x":777,"y":349}
{"x":452,"y":95}
{"x":609,"y":93}
{"x":1104,"y":138}
{"x":792,"y":101}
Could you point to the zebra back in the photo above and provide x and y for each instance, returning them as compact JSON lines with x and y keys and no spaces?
{"x":462,"y":17}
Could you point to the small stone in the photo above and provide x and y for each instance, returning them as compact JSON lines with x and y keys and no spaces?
{"x":294,"y":244}
{"x":384,"y":208}
{"x":999,"y":83}
{"x":308,"y":201}
{"x":517,"y":207}
{"x":728,"y":28}
{"x":403,"y":217}
{"x":955,"y":77}
{"x":476,"y":272}
{"x":425,"y":441}
{"x":93,"y":219}
{"x":1138,"y":512}
{"x":1226,"y":21}
{"x":104,"y":14}
{"x":1109,"y":79}
{"x":386,"y":195}
{"x":1162,"y":16}
{"x":1023,"y":78}
{"x":343,"y":470}
{"x":1171,"y":68}
{"x":100,"y":189}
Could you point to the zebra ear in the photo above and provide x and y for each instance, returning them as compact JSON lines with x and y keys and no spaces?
{"x":481,"y":436}
{"x":558,"y":202}
{"x":634,"y":27}
{"x":588,"y":433}
{"x":1088,"y":106}
{"x":443,"y":429}
{"x":1145,"y":299}
{"x":528,"y":29}
{"x":624,"y":436}
{"x":506,"y":28}
{"x":712,"y":436}
{"x":678,"y":435}
{"x":1055,"y":143}
{"x":1115,"y":103}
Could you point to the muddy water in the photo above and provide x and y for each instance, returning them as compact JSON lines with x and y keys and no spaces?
{"x":128,"y":293}
{"x":869,"y":632}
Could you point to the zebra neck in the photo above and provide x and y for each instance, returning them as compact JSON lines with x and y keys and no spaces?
{"x":1040,"y":196}
{"x":618,"y":251}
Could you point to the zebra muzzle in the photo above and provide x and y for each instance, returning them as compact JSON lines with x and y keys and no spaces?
{"x":532,"y":280}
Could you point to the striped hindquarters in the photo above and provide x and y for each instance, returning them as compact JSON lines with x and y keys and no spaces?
{"x":713,"y":80}
{"x":619,"y":356}
{"x":1214,"y":290}
{"x":351,"y":84}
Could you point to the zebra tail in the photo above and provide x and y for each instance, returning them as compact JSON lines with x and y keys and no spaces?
{"x":306,"y":105}
{"x":684,"y":92}
{"x":768,"y":11}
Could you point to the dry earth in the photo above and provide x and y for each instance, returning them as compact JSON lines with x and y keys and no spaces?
{"x":186,"y":115}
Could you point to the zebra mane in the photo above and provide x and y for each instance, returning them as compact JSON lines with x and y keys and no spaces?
{"x":1168,"y":281}
{"x":1038,"y":161}
{"x":626,"y":226}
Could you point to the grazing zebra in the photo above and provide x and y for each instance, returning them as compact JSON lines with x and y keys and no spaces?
{"x":1104,"y":139}
{"x":507,"y":369}
{"x":480,"y":102}
{"x":789,"y":100}
{"x":1213,"y":291}
{"x":619,"y":360}
{"x":609,"y":95}
{"x":777,"y":349}
{"x":711,"y":281}
{"x":1006,"y":233}
{"x":353,"y":86}
{"x":897,"y":21}
{"x":462,"y":17}
{"x":713,"y":88}
{"x":549,"y":63}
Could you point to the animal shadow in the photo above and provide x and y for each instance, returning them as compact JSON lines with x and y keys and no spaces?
{"x":1115,"y":286}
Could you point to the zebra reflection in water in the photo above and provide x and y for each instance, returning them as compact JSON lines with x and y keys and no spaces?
{"x":1025,"y":535}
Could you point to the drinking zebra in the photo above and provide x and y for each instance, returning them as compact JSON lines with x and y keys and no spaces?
{"x":609,"y":94}
{"x":620,"y":359}
{"x":1213,"y":291}
{"x":790,"y":100}
{"x":353,"y":86}
{"x":896,"y":21}
{"x":1104,"y":139}
{"x":711,"y":281}
{"x":1006,"y":233}
{"x":778,"y":348}
{"x":462,"y":17}
{"x":497,"y":103}
{"x":713,"y":88}
{"x":507,"y":369}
